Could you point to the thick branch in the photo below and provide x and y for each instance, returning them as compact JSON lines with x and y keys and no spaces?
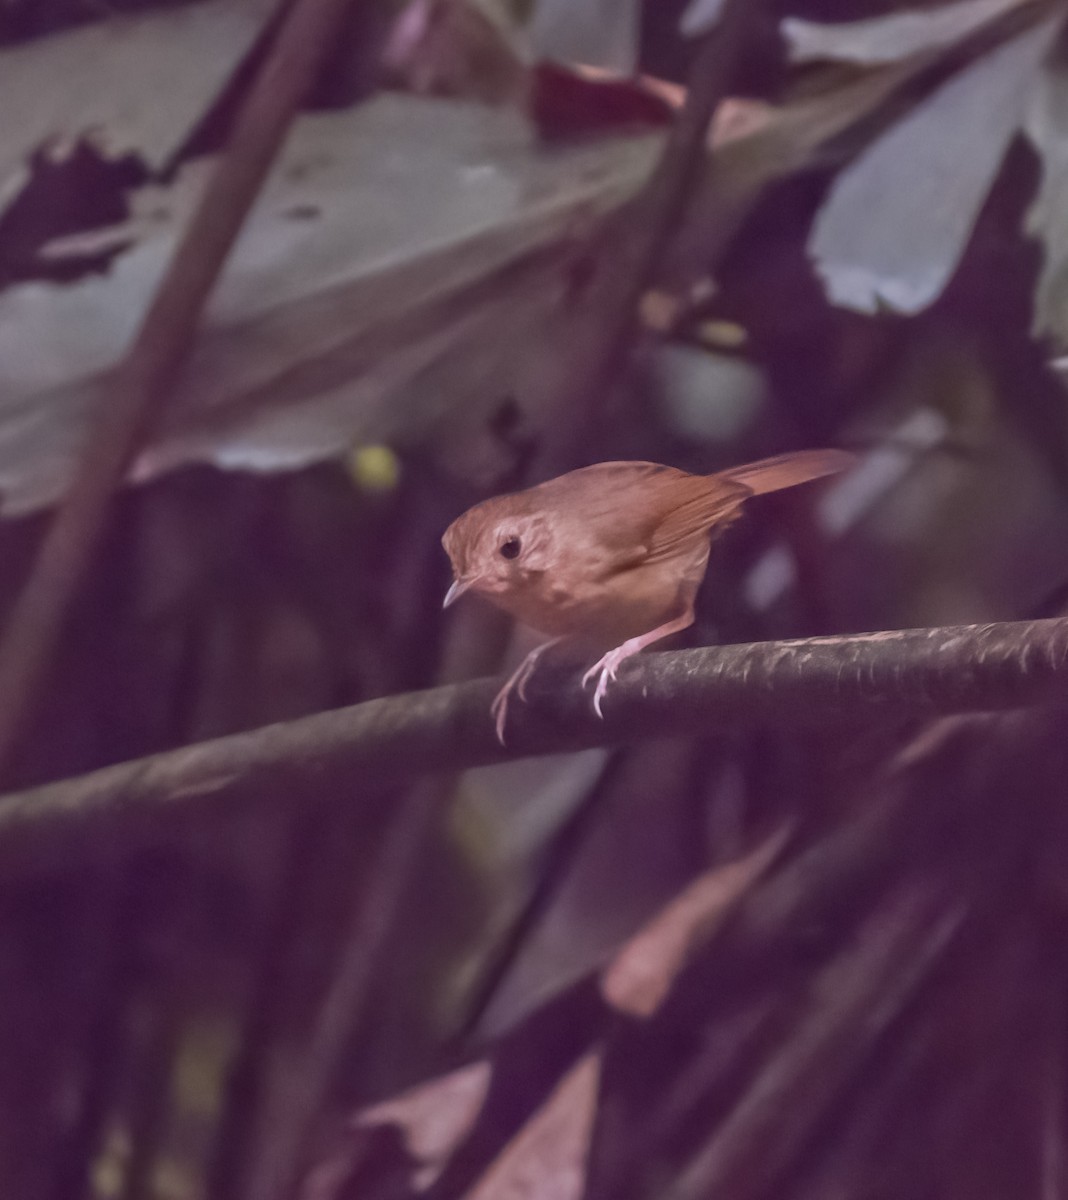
{"x":853,"y":679}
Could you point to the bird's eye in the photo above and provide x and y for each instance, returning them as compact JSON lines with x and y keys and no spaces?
{"x":510,"y":548}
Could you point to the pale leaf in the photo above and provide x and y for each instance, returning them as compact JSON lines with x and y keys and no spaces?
{"x":1047,"y":127}
{"x":641,"y":975}
{"x":896,"y":221}
{"x":135,"y":83}
{"x":547,"y":1159}
{"x":387,"y":283}
{"x":894,"y":37}
{"x":433,"y":1117}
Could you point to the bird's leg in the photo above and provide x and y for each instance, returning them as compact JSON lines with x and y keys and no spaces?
{"x":607,"y":667}
{"x":517,"y":682}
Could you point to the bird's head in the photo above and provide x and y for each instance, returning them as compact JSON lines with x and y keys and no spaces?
{"x":497,"y":549}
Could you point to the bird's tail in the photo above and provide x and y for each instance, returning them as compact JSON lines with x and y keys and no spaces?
{"x":786,"y":470}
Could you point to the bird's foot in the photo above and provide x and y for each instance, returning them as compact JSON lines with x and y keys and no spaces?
{"x":499,"y":708}
{"x":517,"y":682}
{"x":606,"y":670}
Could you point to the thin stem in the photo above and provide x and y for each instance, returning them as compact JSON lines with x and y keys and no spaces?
{"x":144,"y":380}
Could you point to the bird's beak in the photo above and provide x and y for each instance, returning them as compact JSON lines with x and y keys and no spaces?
{"x":458,"y":588}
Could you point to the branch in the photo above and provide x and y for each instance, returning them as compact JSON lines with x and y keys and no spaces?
{"x":632,"y":245}
{"x":864,"y":677}
{"x":150,"y":369}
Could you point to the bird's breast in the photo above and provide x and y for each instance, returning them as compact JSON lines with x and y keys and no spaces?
{"x":609,"y":608}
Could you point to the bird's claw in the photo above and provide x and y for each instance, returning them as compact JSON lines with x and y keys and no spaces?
{"x":521,"y":683}
{"x":605,"y":669}
{"x":499,"y":711}
{"x":517,"y":683}
{"x":499,"y":707}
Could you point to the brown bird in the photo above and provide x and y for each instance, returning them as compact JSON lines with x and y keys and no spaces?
{"x":612,"y":553}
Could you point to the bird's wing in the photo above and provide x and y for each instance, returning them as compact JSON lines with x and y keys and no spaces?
{"x":637,"y":511}
{"x":699,"y":504}
{"x":712,"y":502}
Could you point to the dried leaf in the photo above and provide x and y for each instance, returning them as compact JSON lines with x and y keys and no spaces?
{"x":897,"y":220}
{"x":131,"y":83}
{"x":1047,"y":127}
{"x":639,"y":978}
{"x":894,"y":37}
{"x":566,"y":101}
{"x":547,"y":1159}
{"x":395,"y":262}
{"x":433,"y":1117}
{"x":455,"y":48}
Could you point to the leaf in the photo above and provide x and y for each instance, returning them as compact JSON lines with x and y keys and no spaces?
{"x":598,"y":33}
{"x":641,"y":975}
{"x":131,"y":83}
{"x":399,"y":255}
{"x":896,"y":221}
{"x":506,"y":817}
{"x":1047,"y":219}
{"x":622,"y":831}
{"x":433,"y":1117}
{"x":895,"y":37}
{"x":757,"y":144}
{"x":547,"y":1159}
{"x":848,"y":1006}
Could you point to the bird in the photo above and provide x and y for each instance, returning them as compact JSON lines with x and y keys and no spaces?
{"x":612,"y":554}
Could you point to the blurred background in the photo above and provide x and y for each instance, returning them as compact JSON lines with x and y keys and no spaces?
{"x":749,"y":965}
